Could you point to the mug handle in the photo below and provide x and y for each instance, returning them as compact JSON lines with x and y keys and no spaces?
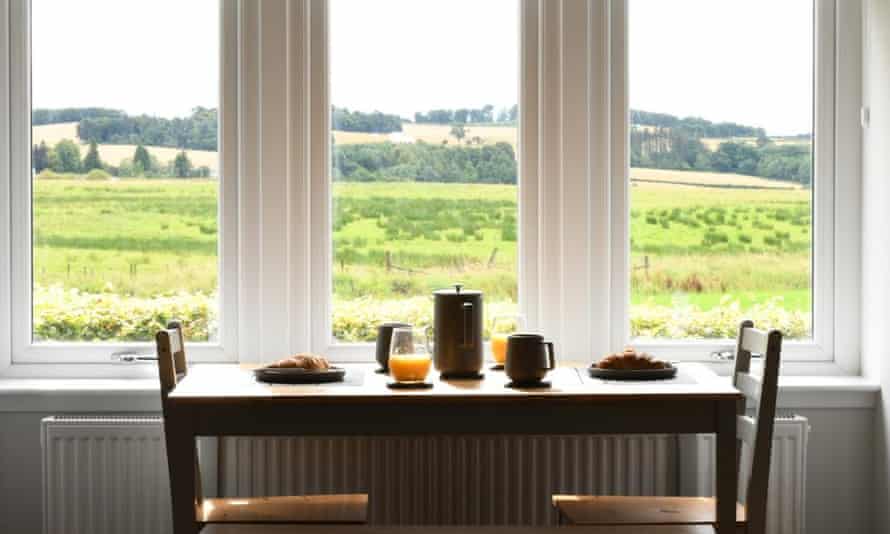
{"x":551,"y":355}
{"x":429,"y":335}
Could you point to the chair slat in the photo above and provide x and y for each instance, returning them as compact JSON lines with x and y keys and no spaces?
{"x":750,"y":386}
{"x":754,"y":340}
{"x":746,"y":427}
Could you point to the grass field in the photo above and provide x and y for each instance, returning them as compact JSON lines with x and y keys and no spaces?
{"x":706,"y":248}
{"x":394,"y":243}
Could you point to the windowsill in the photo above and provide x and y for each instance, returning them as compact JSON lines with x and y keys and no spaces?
{"x":71,"y":395}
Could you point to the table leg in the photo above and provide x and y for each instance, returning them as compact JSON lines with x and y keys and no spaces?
{"x":727,"y":472}
{"x":182,"y":462}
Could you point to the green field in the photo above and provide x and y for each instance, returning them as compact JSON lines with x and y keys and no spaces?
{"x":701,"y":255}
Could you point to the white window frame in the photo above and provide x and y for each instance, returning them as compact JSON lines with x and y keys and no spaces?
{"x":19,"y":356}
{"x":837,"y":96}
{"x":275,"y":196}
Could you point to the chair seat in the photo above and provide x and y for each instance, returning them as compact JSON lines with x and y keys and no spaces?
{"x":602,"y":510}
{"x":350,"y":508}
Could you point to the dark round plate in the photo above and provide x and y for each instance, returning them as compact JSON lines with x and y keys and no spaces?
{"x":409,"y":385}
{"x":633,"y":374}
{"x":299,"y":376}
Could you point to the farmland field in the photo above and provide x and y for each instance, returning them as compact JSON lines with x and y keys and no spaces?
{"x":706,"y":252}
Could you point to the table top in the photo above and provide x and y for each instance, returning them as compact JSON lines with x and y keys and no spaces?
{"x":216,"y":383}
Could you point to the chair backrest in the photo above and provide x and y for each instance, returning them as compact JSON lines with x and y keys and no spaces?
{"x":757,"y":432}
{"x":171,"y":357}
{"x":171,"y":369}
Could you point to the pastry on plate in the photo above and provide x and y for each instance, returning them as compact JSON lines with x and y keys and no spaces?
{"x":304,"y":360}
{"x":630,"y":359}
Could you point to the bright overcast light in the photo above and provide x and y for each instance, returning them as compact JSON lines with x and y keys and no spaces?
{"x":747,"y":61}
{"x":159,"y":57}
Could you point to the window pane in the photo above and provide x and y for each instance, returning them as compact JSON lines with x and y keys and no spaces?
{"x":125,"y":168}
{"x":721,"y":97}
{"x":424,"y":96}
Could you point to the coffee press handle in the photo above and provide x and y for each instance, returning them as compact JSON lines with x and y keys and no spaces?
{"x":551,"y":356}
{"x":468,"y":325}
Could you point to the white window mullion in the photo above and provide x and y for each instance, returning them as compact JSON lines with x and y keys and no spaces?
{"x":320,"y":187}
{"x":20,"y":172}
{"x":300,"y":223}
{"x":5,"y":189}
{"x":550,"y":170}
{"x":619,"y":219}
{"x":249,"y":176}
{"x":530,"y":298}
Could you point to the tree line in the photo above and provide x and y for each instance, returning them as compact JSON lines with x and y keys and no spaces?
{"x":694,"y":126}
{"x":677,"y":149}
{"x":425,"y":162}
{"x":485,"y":114}
{"x":357,"y":121}
{"x":64,"y":157}
{"x":197,"y":131}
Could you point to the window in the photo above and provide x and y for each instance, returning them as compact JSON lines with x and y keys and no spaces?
{"x":116,"y":198}
{"x":424,"y":157}
{"x":722,"y":181}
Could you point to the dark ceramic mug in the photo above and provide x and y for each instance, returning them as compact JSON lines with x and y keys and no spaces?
{"x":529,"y":358}
{"x":384,"y":337}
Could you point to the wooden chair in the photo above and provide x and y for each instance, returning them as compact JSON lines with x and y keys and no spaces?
{"x":348,"y":508}
{"x":756,"y":432}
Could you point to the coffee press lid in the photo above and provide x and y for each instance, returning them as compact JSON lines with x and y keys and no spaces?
{"x":457,"y":289}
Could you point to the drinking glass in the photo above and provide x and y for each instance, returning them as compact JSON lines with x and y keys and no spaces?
{"x":501,"y":327}
{"x":409,"y":355}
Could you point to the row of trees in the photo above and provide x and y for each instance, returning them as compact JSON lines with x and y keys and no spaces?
{"x":64,"y":157}
{"x":423,"y":162}
{"x":485,"y":114}
{"x":55,"y":116}
{"x":674,"y":148}
{"x":357,"y":121}
{"x":694,"y":127}
{"x":197,"y":131}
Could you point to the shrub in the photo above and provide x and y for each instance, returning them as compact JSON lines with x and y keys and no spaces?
{"x":48,"y":174}
{"x":98,"y":175}
{"x":745,"y":238}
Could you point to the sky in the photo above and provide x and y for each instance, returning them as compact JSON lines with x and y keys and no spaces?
{"x":746,"y":61}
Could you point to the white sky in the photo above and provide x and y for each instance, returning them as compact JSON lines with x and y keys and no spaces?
{"x":148,"y":56}
{"x":747,"y":61}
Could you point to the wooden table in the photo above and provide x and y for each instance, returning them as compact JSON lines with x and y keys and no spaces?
{"x":216,"y":400}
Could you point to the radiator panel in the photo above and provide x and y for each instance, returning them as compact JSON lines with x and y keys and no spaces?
{"x":109,"y":474}
{"x":480,"y":480}
{"x":105,"y":475}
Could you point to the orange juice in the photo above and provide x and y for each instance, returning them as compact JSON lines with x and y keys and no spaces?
{"x":499,"y":347}
{"x":409,"y":367}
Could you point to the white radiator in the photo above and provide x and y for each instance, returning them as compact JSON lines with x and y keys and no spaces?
{"x":787,"y":477}
{"x":109,"y":474}
{"x":105,"y":475}
{"x":451,"y":480}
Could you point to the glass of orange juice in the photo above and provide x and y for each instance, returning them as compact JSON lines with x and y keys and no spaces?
{"x":501,"y":327}
{"x":409,"y":355}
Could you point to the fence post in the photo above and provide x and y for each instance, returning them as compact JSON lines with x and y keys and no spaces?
{"x":491,"y":258}
{"x":646,"y":266}
{"x":388,"y":259}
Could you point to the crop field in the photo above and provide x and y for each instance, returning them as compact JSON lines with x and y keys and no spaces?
{"x":701,"y":254}
{"x":431,"y":133}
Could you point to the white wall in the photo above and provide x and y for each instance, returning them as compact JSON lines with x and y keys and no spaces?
{"x":875,"y":241}
{"x":837,"y":479}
